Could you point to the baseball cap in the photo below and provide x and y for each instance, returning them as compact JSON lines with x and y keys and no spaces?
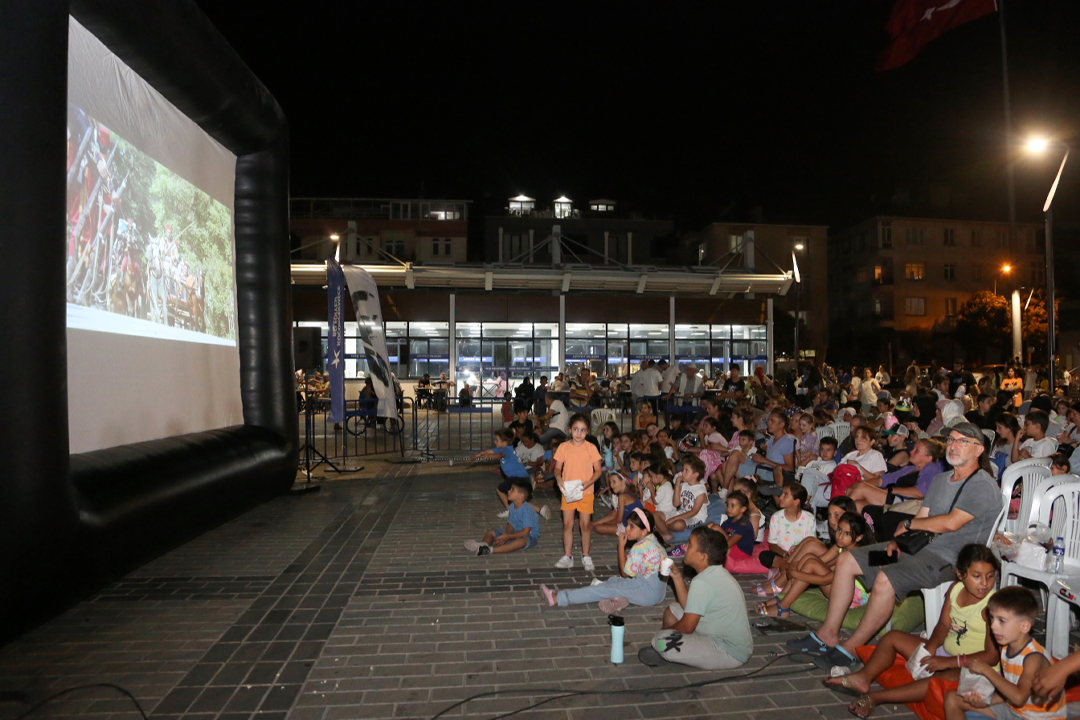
{"x":968,"y":429}
{"x":897,"y":429}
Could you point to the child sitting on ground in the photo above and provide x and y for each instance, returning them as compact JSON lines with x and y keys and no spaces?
{"x":693,"y":499}
{"x":963,"y":629}
{"x":748,"y":487}
{"x":522,"y":526}
{"x":1013,"y":611}
{"x":815,"y":474}
{"x":626,"y":501}
{"x":738,"y":528}
{"x":531,"y":454}
{"x":640,"y":582}
{"x":852,"y":531}
{"x":661,"y":481}
{"x":789,"y":526}
{"x":509,"y":466}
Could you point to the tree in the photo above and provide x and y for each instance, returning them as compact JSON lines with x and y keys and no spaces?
{"x":982,"y":322}
{"x":1033,"y":321}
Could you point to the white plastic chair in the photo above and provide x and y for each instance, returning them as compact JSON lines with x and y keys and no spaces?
{"x":599,"y":416}
{"x":934,"y":598}
{"x":824,"y":431}
{"x":1063,"y":502}
{"x":841,"y":430}
{"x":990,"y":435}
{"x":1028,"y":474}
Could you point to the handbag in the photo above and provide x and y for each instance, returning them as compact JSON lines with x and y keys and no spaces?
{"x":911,"y":542}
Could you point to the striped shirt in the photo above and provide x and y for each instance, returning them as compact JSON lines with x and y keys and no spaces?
{"x":1012,"y":667}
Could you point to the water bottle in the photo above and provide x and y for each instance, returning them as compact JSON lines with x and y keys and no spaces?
{"x":618,"y":631}
{"x":1059,"y":556}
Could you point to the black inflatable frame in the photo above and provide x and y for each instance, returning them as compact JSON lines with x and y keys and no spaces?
{"x":70,"y":523}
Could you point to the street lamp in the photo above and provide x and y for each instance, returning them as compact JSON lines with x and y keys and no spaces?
{"x":1005,"y":270}
{"x":1038,"y":145}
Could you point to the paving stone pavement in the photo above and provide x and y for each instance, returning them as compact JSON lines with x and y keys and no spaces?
{"x":360,"y":602}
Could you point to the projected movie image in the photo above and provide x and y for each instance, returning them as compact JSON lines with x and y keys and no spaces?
{"x":148,"y":252}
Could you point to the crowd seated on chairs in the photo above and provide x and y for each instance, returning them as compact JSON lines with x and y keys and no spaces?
{"x":916,"y":457}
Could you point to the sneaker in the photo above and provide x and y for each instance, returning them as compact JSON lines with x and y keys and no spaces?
{"x":565,"y":562}
{"x":614,"y":606}
{"x":595,"y":582}
{"x":770,"y":489}
{"x":809,"y":644}
{"x":472,"y":545}
{"x":836,"y":657}
{"x":587,"y":563}
{"x":549,"y":595}
{"x":648,"y":656}
{"x":504,"y":514}
{"x":484,"y":549}
{"x":545,"y":512}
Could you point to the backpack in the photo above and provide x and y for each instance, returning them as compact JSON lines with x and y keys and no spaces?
{"x":843,"y":477}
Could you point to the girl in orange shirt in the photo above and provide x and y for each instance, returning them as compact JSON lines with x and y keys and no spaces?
{"x":577,"y":459}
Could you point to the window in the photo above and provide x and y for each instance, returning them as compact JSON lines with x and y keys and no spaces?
{"x":977,"y":272}
{"x":600,"y":207}
{"x":914,"y":271}
{"x":877,"y":307}
{"x":435,"y":246}
{"x":916,"y":236}
{"x":950,"y":237}
{"x":1038,"y":273}
{"x":878,"y":274}
{"x":734,"y":243}
{"x":447,"y":247}
{"x":950,"y":271}
{"x":976,"y":238}
{"x":863,"y":275}
{"x":915,"y":306}
{"x":700,"y":253}
{"x":950,"y":307}
{"x":395,"y":248}
{"x":886,"y":235}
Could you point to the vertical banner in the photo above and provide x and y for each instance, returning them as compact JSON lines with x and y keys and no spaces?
{"x":365,"y":297}
{"x":335,"y":339}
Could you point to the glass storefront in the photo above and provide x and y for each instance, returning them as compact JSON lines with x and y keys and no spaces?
{"x":486,"y":350}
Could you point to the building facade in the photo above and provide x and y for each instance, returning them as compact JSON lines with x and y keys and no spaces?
{"x":897,"y":283}
{"x":597,"y":291}
{"x":769,"y":248}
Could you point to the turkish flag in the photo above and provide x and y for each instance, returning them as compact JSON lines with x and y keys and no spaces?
{"x":914,"y":23}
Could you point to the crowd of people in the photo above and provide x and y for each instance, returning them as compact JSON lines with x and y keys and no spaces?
{"x":729,"y":476}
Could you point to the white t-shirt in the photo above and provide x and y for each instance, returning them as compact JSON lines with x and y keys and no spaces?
{"x":668,"y":378}
{"x":529,"y":455}
{"x":561,"y":419}
{"x":1040,"y":448}
{"x":650,"y":382}
{"x":788,"y":534}
{"x":665,"y":500}
{"x":689,"y":384}
{"x":690,"y":494}
{"x":872,"y":461}
{"x":822,"y":466}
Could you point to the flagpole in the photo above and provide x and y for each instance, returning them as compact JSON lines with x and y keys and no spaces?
{"x":1009,"y":179}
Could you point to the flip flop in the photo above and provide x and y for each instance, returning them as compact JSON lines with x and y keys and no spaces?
{"x":863,"y":704}
{"x":843,"y":687}
{"x":809,"y":644}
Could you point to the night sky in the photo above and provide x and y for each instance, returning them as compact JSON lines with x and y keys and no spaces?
{"x":695,"y":111}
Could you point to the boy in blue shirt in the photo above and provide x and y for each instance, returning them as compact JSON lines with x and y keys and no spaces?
{"x":522,"y":527}
{"x":510,"y":466}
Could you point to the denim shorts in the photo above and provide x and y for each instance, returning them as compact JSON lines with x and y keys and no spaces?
{"x":530,"y":541}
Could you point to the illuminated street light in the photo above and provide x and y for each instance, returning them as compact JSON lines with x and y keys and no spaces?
{"x":1038,"y":145}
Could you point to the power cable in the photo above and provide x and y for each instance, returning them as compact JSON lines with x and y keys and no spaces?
{"x":70,"y":690}
{"x":561,"y":693}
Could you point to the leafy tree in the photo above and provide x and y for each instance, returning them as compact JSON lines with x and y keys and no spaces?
{"x":982,"y":322}
{"x":203,"y":227}
{"x":1033,"y":321}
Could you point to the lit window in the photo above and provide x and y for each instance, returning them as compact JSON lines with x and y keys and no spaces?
{"x":915,"y":306}
{"x":914,"y":271}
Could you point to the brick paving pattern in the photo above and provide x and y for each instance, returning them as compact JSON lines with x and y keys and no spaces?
{"x":359,"y":602}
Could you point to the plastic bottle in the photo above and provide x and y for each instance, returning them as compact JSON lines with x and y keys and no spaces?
{"x":618,"y":631}
{"x":1059,"y":556}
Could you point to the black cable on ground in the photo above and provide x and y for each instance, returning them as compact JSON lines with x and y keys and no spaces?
{"x":563,"y":693}
{"x":70,"y":690}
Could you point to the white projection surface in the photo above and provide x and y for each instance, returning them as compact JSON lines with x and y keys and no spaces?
{"x":151,"y":284}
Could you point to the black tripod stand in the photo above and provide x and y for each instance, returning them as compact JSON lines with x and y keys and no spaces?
{"x":310,"y":456}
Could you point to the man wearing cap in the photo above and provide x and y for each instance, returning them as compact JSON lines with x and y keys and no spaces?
{"x":961,"y":506}
{"x":689,"y":386}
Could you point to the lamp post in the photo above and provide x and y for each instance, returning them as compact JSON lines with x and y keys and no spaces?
{"x":1039,"y":145}
{"x":1005,"y":270}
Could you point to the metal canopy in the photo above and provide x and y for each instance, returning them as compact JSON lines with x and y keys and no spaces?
{"x":576,"y":278}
